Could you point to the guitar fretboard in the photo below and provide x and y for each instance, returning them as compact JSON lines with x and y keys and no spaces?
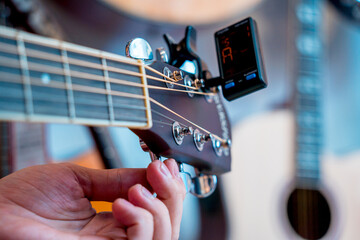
{"x":46,"y":80}
{"x":308,"y":89}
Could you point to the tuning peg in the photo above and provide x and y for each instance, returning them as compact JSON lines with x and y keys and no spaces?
{"x":180,"y":132}
{"x":200,"y":139}
{"x":200,"y":186}
{"x":203,"y":185}
{"x":139,"y":48}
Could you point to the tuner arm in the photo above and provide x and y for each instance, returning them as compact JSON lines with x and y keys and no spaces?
{"x":184,"y":50}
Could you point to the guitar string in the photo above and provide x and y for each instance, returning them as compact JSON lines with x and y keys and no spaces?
{"x":57,"y":59}
{"x":9,"y":48}
{"x":88,"y":76}
{"x":112,"y":93}
{"x":91,"y":89}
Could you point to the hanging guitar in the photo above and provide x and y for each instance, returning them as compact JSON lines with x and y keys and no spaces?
{"x":291,"y":189}
{"x":176,"y":113}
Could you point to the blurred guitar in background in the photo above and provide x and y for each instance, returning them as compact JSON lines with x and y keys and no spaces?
{"x":268,"y":196}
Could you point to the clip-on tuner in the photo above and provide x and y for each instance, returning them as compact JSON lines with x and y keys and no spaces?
{"x":239,"y":57}
{"x":240,"y":60}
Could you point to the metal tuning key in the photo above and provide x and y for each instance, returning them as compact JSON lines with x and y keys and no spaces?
{"x":221,"y":147}
{"x":139,"y":48}
{"x":200,"y":139}
{"x":180,"y":132}
{"x":201,"y":185}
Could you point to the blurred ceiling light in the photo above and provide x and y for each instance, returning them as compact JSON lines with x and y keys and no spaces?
{"x":183,"y":11}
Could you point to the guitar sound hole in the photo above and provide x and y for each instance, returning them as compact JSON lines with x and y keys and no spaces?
{"x":309,"y":213}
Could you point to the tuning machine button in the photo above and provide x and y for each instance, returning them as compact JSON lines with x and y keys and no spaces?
{"x":139,"y":48}
{"x":180,"y":132}
{"x":201,"y":185}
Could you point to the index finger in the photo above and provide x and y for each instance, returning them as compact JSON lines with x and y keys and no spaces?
{"x":165,"y":180}
{"x":110,"y":184}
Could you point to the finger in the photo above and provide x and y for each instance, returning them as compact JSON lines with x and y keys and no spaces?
{"x":108,"y":185}
{"x":139,"y":222}
{"x":141,"y":197}
{"x":165,"y":180}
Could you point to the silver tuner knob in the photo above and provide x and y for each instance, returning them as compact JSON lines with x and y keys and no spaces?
{"x":180,"y":132}
{"x":200,"y":139}
{"x":200,"y":186}
{"x":203,"y":185}
{"x":139,"y":48}
{"x":161,"y":55}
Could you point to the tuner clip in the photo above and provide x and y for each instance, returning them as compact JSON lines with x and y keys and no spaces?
{"x":184,"y":50}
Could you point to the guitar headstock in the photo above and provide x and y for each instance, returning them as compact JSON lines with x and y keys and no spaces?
{"x":178,"y":130}
{"x":190,"y":123}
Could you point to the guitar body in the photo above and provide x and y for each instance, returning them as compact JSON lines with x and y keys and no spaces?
{"x":258,"y":188}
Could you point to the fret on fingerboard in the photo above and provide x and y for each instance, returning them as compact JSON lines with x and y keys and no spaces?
{"x":46,"y":80}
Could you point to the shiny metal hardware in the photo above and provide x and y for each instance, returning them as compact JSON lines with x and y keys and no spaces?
{"x":180,"y":132}
{"x":216,"y":144}
{"x":221,"y":147}
{"x":200,"y":186}
{"x":199,"y":83}
{"x":177,"y":75}
{"x":161,"y":55}
{"x":139,"y":48}
{"x":203,"y":185}
{"x":145,"y":148}
{"x":190,"y":83}
{"x":167,"y":72}
{"x":226,"y":145}
{"x":200,"y":139}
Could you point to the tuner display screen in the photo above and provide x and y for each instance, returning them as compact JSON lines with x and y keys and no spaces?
{"x":239,"y":59}
{"x":237,"y":51}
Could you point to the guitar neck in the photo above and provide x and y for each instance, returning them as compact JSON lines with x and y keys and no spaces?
{"x":308,"y":90}
{"x":46,"y":80}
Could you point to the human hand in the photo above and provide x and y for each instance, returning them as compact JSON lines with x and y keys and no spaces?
{"x":53,"y":202}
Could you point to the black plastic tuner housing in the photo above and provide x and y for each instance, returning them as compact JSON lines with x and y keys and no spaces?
{"x":240,"y":60}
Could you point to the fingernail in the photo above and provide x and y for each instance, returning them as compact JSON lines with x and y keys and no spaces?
{"x":146,"y":193}
{"x":165,"y":170}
